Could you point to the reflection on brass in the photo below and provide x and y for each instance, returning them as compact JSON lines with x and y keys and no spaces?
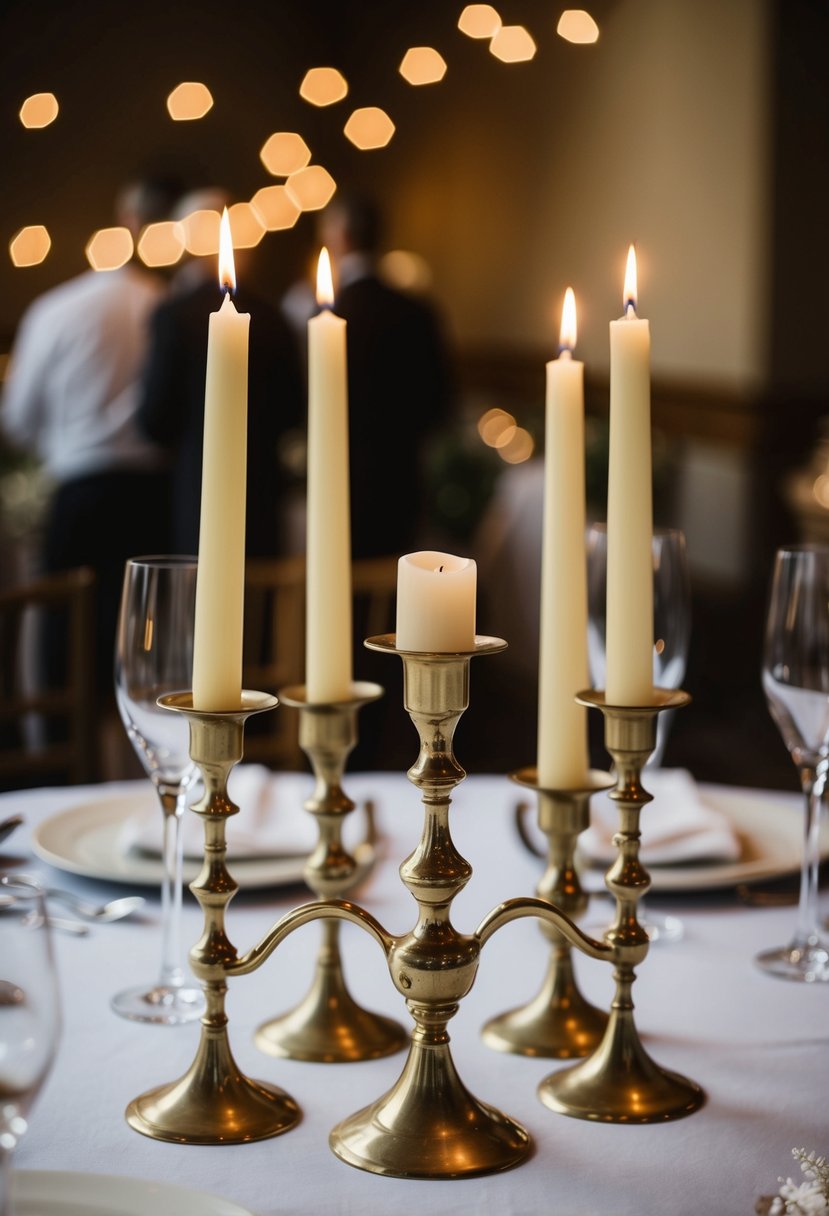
{"x":214,"y":1103}
{"x":619,"y":1082}
{"x":328,"y":1026}
{"x":558,"y":1022}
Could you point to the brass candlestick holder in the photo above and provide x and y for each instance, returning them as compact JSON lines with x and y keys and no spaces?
{"x":619,"y":1082}
{"x":214,"y":1102}
{"x":328,"y":1025}
{"x":558,"y":1022}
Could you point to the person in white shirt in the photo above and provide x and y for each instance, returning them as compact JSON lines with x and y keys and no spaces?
{"x":69,"y":398}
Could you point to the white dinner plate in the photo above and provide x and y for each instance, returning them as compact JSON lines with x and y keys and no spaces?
{"x":771,"y":845}
{"x":62,"y":1193}
{"x":89,"y":839}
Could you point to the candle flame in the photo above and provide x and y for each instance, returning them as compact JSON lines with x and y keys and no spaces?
{"x":325,"y":282}
{"x":569,"y":329}
{"x":630,"y":294}
{"x":227,"y":270}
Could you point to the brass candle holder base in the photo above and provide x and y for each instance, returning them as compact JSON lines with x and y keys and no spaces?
{"x":559,"y":1022}
{"x":214,"y":1102}
{"x":328,"y":1026}
{"x":619,"y":1082}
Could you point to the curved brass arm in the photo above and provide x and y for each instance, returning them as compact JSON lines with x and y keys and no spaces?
{"x":335,"y":909}
{"x":515,"y":909}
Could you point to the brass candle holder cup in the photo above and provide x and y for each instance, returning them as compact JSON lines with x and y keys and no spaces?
{"x":328,"y":1025}
{"x":214,"y":1103}
{"x":619,"y":1082}
{"x":558,"y":1022}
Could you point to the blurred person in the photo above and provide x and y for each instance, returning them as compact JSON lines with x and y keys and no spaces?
{"x":171,"y":407}
{"x":70,"y":398}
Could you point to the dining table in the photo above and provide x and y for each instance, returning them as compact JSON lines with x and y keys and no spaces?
{"x":757,"y":1045}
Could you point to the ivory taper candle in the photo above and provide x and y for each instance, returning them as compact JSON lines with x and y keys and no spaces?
{"x":220,"y":580}
{"x":629,"y":642}
{"x":328,"y":648}
{"x":563,"y":667}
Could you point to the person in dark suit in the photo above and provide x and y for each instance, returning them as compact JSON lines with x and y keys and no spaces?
{"x":171,"y":406}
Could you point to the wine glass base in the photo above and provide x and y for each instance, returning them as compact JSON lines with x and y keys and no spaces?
{"x":803,"y":964}
{"x":161,"y":1005}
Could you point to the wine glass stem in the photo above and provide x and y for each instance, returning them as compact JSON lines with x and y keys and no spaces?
{"x":173,"y":801}
{"x":814,"y":783}
{"x":5,"y":1182}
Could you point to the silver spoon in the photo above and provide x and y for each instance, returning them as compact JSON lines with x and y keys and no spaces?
{"x":116,"y":909}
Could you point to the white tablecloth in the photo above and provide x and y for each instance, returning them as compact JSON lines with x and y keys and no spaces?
{"x":758,"y":1046}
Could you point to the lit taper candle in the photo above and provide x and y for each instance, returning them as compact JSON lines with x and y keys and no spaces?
{"x":220,"y":581}
{"x":563,"y":667}
{"x":328,"y":650}
{"x":629,"y":640}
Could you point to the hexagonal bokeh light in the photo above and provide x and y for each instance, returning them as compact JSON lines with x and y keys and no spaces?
{"x":30,"y":245}
{"x":576,"y":25}
{"x":246,"y":227}
{"x":512,"y":44}
{"x":109,"y":248}
{"x":496,"y":427}
{"x":406,"y":270}
{"x":275,"y":208}
{"x":311,"y":188}
{"x":479,"y":21}
{"x":369,"y":127}
{"x":323,"y":86}
{"x":284,"y":153}
{"x":200,"y":230}
{"x":189,"y":100}
{"x":422,"y":65}
{"x":519,"y":448}
{"x":161,"y":244}
{"x":39,"y":110}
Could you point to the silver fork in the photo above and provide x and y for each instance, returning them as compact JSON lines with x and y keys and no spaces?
{"x":115,"y":909}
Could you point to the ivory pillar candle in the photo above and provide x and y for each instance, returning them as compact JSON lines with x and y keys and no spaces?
{"x":436,"y":595}
{"x":328,"y":650}
{"x":220,"y":580}
{"x":563,"y":667}
{"x":630,"y":508}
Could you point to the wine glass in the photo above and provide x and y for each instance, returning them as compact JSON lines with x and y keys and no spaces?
{"x":29,"y":1013}
{"x":153,"y":656}
{"x":795,"y":675}
{"x":672,"y":637}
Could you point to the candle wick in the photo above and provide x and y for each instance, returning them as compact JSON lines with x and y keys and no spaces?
{"x":565,"y":352}
{"x":630,"y":310}
{"x":440,"y":569}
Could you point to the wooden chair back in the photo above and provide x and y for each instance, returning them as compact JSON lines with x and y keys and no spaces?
{"x":274,"y":647}
{"x":47,"y":731}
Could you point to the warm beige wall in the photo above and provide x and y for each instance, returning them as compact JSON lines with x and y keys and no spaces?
{"x":658,"y":134}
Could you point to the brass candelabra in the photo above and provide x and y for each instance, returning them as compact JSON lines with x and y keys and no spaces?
{"x":328,"y":1025}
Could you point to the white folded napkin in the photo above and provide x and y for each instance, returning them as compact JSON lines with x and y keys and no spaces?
{"x":677,"y":827}
{"x":272,"y":820}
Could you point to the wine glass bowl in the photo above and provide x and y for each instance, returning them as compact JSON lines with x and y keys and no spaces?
{"x":795,"y":678}
{"x":154,"y":656}
{"x":29,"y":1012}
